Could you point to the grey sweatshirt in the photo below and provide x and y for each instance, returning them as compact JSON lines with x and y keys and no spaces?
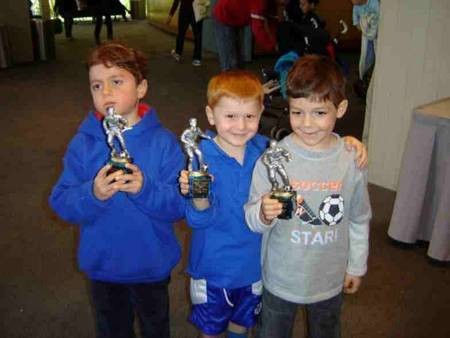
{"x":305,"y":258}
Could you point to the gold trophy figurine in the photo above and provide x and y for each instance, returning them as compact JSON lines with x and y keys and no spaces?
{"x":272,"y":158}
{"x":199,"y":180}
{"x":114,"y":126}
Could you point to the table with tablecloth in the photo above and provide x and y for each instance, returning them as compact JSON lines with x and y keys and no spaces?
{"x":422,"y":205}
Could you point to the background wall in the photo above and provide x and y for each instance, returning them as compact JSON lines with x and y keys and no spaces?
{"x":15,"y":15}
{"x":413,"y":68}
{"x":159,"y":9}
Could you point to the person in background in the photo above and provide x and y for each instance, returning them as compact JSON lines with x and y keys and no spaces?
{"x":365,"y":17}
{"x":101,"y":9}
{"x":67,"y":9}
{"x":291,"y":32}
{"x":230,"y":17}
{"x":186,"y":18}
{"x":119,"y":7}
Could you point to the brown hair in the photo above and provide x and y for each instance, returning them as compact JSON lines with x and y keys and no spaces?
{"x":237,"y":84}
{"x":116,"y":54}
{"x":318,"y":78}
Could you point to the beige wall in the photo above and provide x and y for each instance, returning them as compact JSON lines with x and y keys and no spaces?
{"x":14,"y":14}
{"x":413,"y":68}
{"x":159,"y":9}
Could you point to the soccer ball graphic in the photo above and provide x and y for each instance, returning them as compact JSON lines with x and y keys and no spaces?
{"x":331,"y":210}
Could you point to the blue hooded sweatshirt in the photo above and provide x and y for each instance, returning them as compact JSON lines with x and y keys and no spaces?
{"x":128,"y":238}
{"x":223,"y":249}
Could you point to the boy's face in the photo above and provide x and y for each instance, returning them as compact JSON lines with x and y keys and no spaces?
{"x":236,"y":122}
{"x":313,"y":122}
{"x":114,"y":86}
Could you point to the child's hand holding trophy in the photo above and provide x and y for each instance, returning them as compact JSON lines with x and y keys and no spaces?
{"x":199,"y":180}
{"x":272,"y":158}
{"x":114,"y":126}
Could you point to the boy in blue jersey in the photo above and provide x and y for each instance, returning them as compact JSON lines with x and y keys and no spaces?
{"x":224,"y":255}
{"x":127,"y":244}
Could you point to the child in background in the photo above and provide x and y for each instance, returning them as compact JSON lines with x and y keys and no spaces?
{"x":365,"y":18}
{"x":224,"y":254}
{"x":309,"y":16}
{"x":230,"y":17}
{"x":127,"y":243}
{"x":292,"y":34}
{"x":310,"y":259}
{"x":67,"y":9}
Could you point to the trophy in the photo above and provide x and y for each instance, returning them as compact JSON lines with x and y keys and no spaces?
{"x":283,"y":192}
{"x":114,"y":126}
{"x":199,"y":180}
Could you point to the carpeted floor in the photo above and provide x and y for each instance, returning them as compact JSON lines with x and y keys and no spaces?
{"x":42,"y":295}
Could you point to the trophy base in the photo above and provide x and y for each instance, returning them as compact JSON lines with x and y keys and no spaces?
{"x":119,"y":163}
{"x":289,"y":201}
{"x":199,"y":184}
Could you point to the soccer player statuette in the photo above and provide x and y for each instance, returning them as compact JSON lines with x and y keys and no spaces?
{"x":199,"y":180}
{"x":272,"y":158}
{"x":114,"y":126}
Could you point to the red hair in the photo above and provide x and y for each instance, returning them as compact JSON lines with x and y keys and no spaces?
{"x":237,"y":84}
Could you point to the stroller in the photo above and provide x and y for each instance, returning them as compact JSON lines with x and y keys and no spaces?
{"x":274,"y":121}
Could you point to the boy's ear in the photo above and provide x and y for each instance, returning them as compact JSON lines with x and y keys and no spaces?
{"x":261,"y":110}
{"x":209,"y":115}
{"x":342,"y":108}
{"x":142,"y":88}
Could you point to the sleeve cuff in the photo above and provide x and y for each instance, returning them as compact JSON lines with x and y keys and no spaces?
{"x":89,"y":186}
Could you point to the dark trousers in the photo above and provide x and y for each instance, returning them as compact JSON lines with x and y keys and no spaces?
{"x":115,"y":306}
{"x":99,"y":23}
{"x":185,"y":18}
{"x":68,"y":23}
{"x":277,"y":317}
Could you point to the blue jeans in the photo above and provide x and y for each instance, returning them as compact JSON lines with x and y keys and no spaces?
{"x":277,"y":317}
{"x":115,"y":305}
{"x":227,"y":42}
{"x":233,"y":45}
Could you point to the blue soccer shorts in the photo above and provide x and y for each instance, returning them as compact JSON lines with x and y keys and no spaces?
{"x":213,"y":308}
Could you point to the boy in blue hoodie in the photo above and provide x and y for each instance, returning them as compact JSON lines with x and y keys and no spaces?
{"x":127,"y":243}
{"x":224,"y":255}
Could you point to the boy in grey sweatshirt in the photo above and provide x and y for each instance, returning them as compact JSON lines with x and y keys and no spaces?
{"x":322,"y":250}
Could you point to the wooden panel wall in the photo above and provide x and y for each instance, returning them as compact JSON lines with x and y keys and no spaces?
{"x":413,"y":68}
